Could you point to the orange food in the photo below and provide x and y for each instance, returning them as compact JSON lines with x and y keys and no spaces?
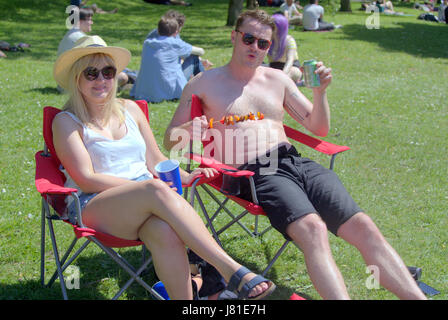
{"x":232,"y":119}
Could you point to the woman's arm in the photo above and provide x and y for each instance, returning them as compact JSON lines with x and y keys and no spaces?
{"x":153,"y":153}
{"x":289,"y":60}
{"x":291,"y":49}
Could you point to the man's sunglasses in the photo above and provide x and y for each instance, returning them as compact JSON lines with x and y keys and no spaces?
{"x":248,"y":39}
{"x":92,"y":73}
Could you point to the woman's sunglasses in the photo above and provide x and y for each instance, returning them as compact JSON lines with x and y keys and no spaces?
{"x":92,"y":73}
{"x":248,"y":39}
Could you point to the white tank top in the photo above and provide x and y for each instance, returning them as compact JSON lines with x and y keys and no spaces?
{"x":123,"y":158}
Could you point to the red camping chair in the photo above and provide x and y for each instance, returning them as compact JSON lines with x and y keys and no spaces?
{"x":248,"y":207}
{"x":49,"y":182}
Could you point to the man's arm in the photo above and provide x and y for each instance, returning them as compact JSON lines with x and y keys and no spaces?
{"x":197,"y":51}
{"x":314,"y":116}
{"x":180,"y":129}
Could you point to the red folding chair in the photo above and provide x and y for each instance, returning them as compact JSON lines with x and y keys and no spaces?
{"x":49,"y":182}
{"x":249,"y":207}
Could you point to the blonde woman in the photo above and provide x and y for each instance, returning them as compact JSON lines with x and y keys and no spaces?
{"x":108,"y":152}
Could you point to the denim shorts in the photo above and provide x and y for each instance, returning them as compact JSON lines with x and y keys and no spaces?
{"x":84,"y":199}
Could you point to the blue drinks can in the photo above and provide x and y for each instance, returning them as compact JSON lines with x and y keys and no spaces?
{"x":311,"y":79}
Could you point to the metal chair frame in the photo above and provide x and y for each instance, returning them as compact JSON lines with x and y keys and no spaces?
{"x":52,"y":192}
{"x":319,"y":145}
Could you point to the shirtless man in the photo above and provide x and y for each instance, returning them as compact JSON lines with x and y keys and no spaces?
{"x":300,"y":206}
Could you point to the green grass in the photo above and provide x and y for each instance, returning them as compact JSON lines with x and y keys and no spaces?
{"x":388,"y":102}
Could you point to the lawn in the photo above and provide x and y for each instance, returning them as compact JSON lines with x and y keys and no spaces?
{"x":388,"y":101}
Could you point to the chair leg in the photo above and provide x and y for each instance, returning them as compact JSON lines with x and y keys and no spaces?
{"x":133,"y":278}
{"x":58,"y":264}
{"x":333,"y":157}
{"x":135,"y":274}
{"x":67,"y":253}
{"x":42,"y":245}
{"x":277,"y":255}
{"x":236,"y":220}
{"x":222,"y":206}
{"x":209,"y":221}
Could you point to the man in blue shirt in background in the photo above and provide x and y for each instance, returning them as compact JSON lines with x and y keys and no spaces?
{"x":162,"y":74}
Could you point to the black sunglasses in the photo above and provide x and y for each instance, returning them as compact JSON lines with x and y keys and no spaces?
{"x":92,"y":73}
{"x":248,"y":39}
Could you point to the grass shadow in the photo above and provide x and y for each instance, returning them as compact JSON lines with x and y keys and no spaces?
{"x":411,"y":38}
{"x":26,"y":21}
{"x":46,"y":90}
{"x":100,"y":279}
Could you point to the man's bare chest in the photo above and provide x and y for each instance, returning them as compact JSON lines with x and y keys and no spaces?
{"x":243,"y":102}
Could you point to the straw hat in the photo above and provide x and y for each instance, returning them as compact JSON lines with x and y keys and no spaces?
{"x":83,"y":47}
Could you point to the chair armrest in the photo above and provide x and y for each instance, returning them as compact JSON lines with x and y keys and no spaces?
{"x":48,"y":179}
{"x":220,"y":167}
{"x":315,"y":143}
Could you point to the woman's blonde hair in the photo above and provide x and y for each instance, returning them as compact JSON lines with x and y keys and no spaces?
{"x":76,"y":103}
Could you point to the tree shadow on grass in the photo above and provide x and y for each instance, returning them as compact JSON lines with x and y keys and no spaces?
{"x":257,"y":263}
{"x":46,"y":90}
{"x":42,"y":24}
{"x":425,"y":40}
{"x":96,"y":274}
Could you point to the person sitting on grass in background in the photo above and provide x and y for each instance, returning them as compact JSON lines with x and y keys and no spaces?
{"x":283,"y":52}
{"x":291,"y":11}
{"x":81,"y":30}
{"x":162,"y":74}
{"x":313,"y":18}
{"x":443,"y":11}
{"x":180,"y":18}
{"x":108,"y":152}
{"x":77,"y":31}
{"x":94,"y":7}
{"x":170,"y":2}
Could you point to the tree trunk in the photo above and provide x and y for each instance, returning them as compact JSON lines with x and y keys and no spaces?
{"x":346,"y":6}
{"x":235,"y":8}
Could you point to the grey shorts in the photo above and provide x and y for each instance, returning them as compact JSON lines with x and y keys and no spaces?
{"x":298,"y":187}
{"x":84,"y":199}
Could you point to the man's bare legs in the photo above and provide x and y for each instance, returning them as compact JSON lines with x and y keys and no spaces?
{"x":361,"y":232}
{"x":311,"y":235}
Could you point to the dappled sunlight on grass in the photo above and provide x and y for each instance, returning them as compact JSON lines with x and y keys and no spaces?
{"x":388,"y":100}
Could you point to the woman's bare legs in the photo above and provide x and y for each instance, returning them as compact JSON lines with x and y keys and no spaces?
{"x":169,"y":257}
{"x":124,"y":212}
